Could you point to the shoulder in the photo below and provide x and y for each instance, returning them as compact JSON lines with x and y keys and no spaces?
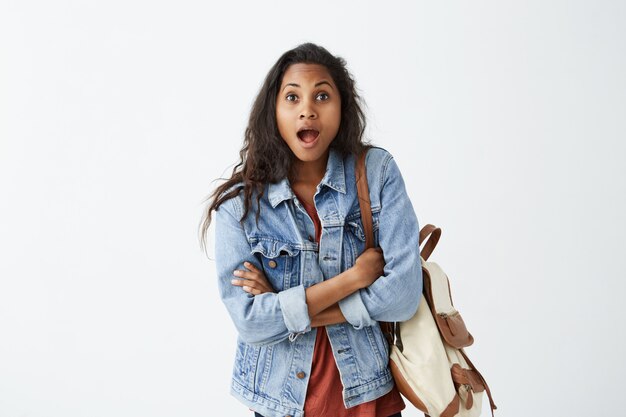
{"x":378,"y":161}
{"x":234,"y":204}
{"x":378,"y":152}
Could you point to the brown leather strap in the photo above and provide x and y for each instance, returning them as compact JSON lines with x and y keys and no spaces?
{"x":435,"y":233}
{"x":388,"y":331}
{"x":363,"y":193}
{"x":491,"y":403}
{"x":405,"y":389}
{"x":364,"y":200}
{"x":453,"y":408}
{"x":462,"y":376}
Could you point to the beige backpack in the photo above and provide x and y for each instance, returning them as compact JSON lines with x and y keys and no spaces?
{"x":427,"y":360}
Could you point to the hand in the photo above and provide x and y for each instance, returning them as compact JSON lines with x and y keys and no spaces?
{"x":252,"y":281}
{"x":369,"y":266}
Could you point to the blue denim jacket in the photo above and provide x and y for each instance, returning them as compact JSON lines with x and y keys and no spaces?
{"x":275,"y":343}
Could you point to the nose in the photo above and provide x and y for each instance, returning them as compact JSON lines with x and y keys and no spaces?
{"x":307,"y":111}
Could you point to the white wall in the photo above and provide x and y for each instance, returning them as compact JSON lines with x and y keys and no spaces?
{"x":506,"y":118}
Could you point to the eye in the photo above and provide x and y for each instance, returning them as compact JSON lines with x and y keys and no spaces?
{"x":291,"y":97}
{"x":322,"y":96}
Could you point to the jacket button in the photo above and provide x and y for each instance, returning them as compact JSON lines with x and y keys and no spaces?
{"x":272,"y":264}
{"x":300,"y":375}
{"x":311,"y":239}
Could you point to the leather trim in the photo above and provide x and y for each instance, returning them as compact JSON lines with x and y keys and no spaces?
{"x":453,"y":408}
{"x":453,"y":330}
{"x":404,"y":387}
{"x":462,"y":376}
{"x":491,"y":403}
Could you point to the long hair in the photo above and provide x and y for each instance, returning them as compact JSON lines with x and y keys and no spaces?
{"x":265,"y":157}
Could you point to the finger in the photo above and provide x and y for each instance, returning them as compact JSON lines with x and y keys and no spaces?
{"x":262,"y":287}
{"x":251,"y":285}
{"x":252,"y":276}
{"x":243,"y":274}
{"x":246,"y":282}
{"x":251,"y":290}
{"x":250,"y":266}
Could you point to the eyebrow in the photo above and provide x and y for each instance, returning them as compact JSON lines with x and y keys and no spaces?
{"x":316,"y":85}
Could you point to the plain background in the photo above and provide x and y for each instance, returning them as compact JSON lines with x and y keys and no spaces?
{"x":506,"y":119}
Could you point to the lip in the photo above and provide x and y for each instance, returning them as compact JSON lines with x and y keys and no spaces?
{"x":308,"y":126}
{"x":308,"y":145}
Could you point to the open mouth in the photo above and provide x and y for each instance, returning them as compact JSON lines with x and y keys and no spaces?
{"x":308,"y":135}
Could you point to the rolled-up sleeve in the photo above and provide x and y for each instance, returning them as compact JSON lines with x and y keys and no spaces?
{"x":355,"y":311}
{"x":263,"y":319}
{"x":395,"y":295}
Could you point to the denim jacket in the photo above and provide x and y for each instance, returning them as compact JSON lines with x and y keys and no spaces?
{"x":275,"y":343}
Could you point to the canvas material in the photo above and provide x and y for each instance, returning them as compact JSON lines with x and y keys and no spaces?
{"x":426,"y":360}
{"x":425,"y":364}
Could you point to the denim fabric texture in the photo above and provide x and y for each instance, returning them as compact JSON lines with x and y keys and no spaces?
{"x":275,"y":340}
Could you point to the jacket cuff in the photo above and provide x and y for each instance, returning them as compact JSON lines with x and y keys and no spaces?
{"x":354,"y":311}
{"x":295,"y":311}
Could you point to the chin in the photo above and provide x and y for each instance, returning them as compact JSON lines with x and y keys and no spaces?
{"x":308,"y":157}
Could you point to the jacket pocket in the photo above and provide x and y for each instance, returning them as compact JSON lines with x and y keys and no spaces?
{"x":355,"y":233}
{"x":280,"y":260}
{"x":244,"y":367}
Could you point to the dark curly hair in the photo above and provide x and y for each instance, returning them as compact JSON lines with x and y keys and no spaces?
{"x":265,"y":157}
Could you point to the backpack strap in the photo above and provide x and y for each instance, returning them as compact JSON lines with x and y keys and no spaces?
{"x":363,"y":194}
{"x":362,"y":188}
{"x":434,"y":233}
{"x":364,"y":200}
{"x":474,"y":370}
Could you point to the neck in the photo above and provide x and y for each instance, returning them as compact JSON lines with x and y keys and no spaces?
{"x":310,"y":172}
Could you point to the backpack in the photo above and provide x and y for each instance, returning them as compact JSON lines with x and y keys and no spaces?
{"x":426,"y":355}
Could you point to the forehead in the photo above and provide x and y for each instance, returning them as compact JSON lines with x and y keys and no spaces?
{"x":306,"y":73}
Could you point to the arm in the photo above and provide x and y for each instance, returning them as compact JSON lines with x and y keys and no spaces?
{"x":271,"y":317}
{"x":368,"y":267}
{"x":395,"y":295}
{"x":264,"y":319}
{"x":253,"y":281}
{"x":332,"y":315}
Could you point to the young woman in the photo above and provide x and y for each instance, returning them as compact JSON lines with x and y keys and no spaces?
{"x":303,"y":293}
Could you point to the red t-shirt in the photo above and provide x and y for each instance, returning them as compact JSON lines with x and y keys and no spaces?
{"x":324,"y":392}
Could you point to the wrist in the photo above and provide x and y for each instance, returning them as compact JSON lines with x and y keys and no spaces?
{"x":353,"y":278}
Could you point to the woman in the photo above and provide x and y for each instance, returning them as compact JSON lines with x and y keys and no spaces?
{"x":303,"y":293}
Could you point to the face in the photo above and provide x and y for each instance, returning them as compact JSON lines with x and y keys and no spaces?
{"x":308,"y":111}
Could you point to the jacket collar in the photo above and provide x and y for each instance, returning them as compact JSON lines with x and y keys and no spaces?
{"x":335,"y":178}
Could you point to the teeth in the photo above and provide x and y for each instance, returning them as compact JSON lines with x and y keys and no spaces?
{"x":308,"y":135}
